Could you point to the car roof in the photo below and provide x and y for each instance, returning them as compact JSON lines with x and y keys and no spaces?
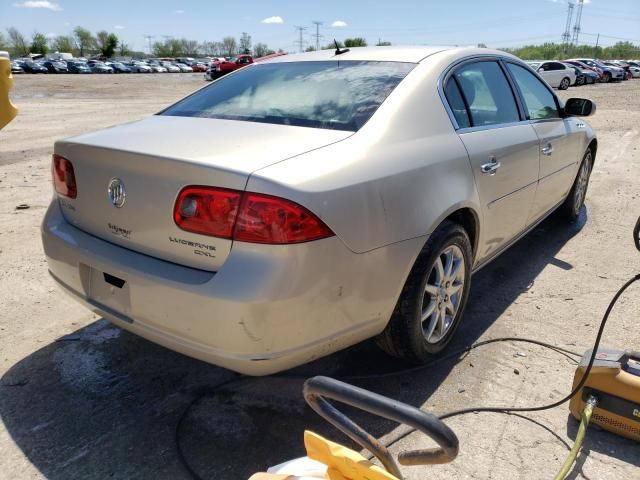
{"x":411,"y":54}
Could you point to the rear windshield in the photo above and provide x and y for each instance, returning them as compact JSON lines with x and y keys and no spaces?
{"x":332,"y":95}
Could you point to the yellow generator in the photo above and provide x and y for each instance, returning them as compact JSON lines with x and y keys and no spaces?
{"x":614,"y":383}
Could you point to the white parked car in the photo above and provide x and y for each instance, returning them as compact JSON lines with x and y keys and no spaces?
{"x":184,"y":68}
{"x":140,"y":67}
{"x":171,"y":68}
{"x":556,"y":74}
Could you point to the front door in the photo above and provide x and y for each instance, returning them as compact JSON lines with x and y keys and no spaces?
{"x":559,"y":141}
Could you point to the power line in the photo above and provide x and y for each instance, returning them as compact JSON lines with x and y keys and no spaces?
{"x":300,"y":42}
{"x":567,"y":26}
{"x":148,"y":38}
{"x":317,"y":35}
{"x":576,"y":26}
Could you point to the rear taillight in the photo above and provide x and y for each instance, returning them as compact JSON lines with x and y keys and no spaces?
{"x":206,"y":210}
{"x":246,"y":217}
{"x":273,"y":220}
{"x":64,"y":178}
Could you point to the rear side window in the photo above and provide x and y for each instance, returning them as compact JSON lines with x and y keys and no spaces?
{"x":487,"y":94}
{"x":456,"y":102}
{"x":539,"y":101}
{"x":338,"y":95}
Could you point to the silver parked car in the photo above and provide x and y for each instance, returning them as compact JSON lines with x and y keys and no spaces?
{"x":346,"y":195}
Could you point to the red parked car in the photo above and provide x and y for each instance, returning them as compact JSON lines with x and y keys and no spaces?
{"x":584,"y":66}
{"x":218,"y":69}
{"x":199,"y":67}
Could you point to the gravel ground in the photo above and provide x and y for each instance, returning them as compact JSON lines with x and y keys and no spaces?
{"x":79,"y":398}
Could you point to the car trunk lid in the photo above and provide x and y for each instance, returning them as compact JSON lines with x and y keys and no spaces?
{"x":153,"y":160}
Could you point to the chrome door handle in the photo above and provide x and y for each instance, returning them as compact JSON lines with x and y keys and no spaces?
{"x":547,"y":149}
{"x":491,"y":168}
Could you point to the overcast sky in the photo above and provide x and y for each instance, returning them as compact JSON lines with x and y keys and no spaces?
{"x":498,"y":23}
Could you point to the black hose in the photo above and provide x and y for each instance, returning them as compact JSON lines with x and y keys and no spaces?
{"x":507,"y":410}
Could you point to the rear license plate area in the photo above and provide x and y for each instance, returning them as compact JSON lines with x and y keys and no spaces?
{"x":110,"y":290}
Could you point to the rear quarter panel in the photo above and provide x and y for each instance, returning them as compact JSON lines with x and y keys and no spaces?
{"x":397,"y":178}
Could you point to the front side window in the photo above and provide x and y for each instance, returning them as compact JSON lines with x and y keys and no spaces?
{"x":487,"y":94}
{"x":539,"y":101}
{"x":338,"y":95}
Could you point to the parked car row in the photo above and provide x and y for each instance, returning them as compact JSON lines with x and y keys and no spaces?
{"x":585,"y":71}
{"x":82,"y":65}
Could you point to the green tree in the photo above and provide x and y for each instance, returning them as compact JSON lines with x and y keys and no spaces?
{"x":310,"y":48}
{"x":245,"y":43}
{"x":39,"y":44}
{"x":229,"y":46}
{"x":4,"y":44}
{"x":355,"y":42}
{"x":383,"y":43}
{"x":124,"y":50}
{"x":85,"y":42}
{"x":107,"y":43}
{"x":62,"y":43}
{"x":260,"y":50}
{"x":18,"y":43}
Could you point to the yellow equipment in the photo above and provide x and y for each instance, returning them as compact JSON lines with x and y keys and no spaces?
{"x":614,"y":381}
{"x":7,"y":110}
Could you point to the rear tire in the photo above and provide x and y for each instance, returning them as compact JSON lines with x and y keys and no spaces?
{"x":575,"y":200}
{"x":564,"y":84}
{"x":433,"y":299}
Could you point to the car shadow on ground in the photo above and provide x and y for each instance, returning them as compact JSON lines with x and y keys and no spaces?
{"x":103,"y":403}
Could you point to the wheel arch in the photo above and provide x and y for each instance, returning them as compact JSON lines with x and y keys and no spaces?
{"x":468,"y":219}
{"x":593,"y":145}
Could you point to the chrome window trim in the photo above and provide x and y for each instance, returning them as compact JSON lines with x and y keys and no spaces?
{"x":448,"y":72}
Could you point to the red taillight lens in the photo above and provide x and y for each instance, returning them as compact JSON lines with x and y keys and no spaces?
{"x":273,"y":220}
{"x":207,"y":210}
{"x":64,"y":178}
{"x":246,"y":217}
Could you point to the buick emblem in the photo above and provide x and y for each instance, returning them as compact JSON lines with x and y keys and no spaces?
{"x":117,"y":193}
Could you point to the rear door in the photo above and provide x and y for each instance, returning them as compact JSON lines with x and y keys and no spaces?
{"x":559,"y":140}
{"x":502,"y":146}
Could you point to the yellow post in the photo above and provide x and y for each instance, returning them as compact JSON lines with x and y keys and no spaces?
{"x":7,"y":110}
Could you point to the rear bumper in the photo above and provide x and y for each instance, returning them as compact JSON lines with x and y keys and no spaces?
{"x":267,"y":309}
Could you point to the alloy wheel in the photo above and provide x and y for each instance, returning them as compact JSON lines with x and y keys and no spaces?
{"x":443,"y":294}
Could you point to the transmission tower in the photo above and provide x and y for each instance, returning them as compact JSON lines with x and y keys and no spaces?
{"x":576,"y":26}
{"x":567,"y":27}
{"x":300,"y":42}
{"x":317,"y":36}
{"x":148,"y":38}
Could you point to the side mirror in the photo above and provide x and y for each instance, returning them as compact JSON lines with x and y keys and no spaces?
{"x":580,"y":107}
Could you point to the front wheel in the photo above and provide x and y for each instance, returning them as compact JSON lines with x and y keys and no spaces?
{"x":607,"y":77}
{"x":564,"y":84}
{"x":575,"y":200}
{"x":433,"y":299}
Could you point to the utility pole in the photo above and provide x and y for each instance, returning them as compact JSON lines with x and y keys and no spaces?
{"x":148,"y":38}
{"x":300,"y":42}
{"x":595,"y":50}
{"x":317,"y":35}
{"x":576,"y":26}
{"x":567,"y":27}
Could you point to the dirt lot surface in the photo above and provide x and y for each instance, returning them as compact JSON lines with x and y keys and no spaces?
{"x":79,"y":398}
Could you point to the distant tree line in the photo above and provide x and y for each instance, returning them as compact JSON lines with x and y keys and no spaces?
{"x":84,"y":43}
{"x":558,"y":51}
